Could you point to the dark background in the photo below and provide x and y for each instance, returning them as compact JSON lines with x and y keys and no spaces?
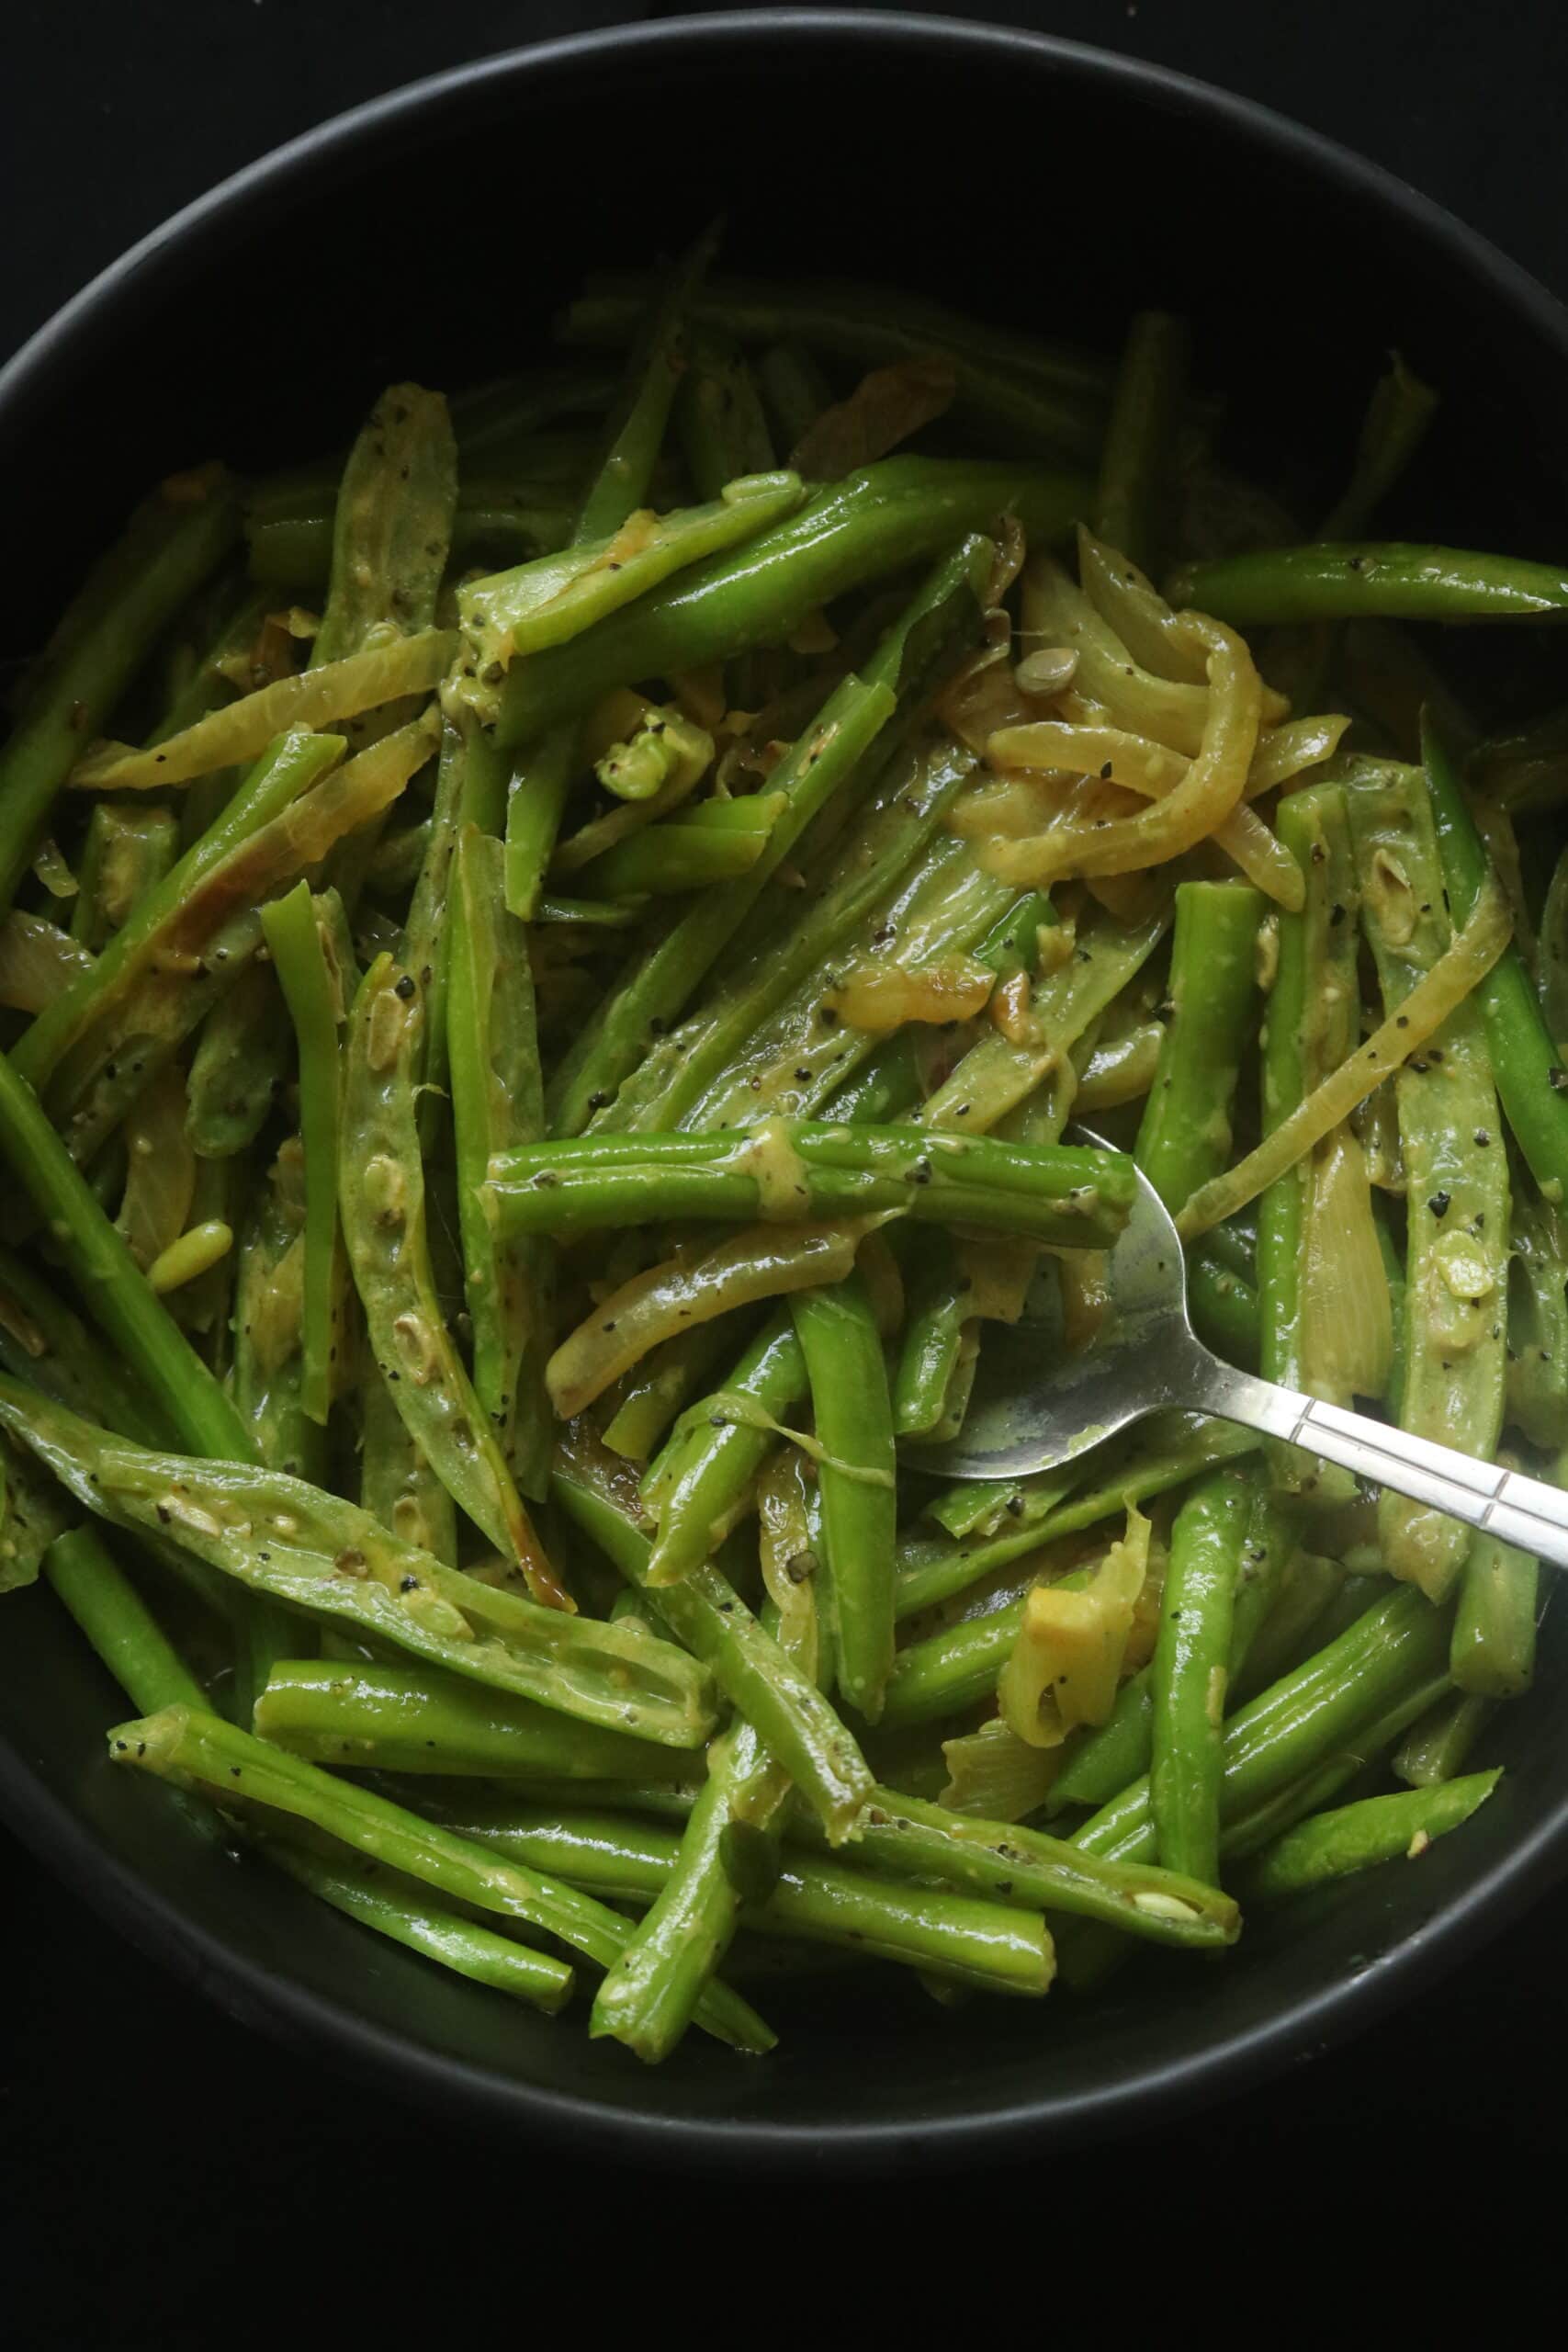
{"x":166,"y":2174}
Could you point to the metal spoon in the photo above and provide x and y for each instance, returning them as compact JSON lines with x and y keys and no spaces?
{"x":1036,"y":1406}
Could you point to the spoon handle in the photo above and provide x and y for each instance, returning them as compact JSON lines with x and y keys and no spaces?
{"x":1522,"y":1512}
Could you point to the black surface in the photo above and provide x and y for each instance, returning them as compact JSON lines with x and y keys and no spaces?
{"x":117,"y":2196}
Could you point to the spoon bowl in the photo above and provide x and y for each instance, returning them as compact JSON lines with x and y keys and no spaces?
{"x":1036,"y":1405}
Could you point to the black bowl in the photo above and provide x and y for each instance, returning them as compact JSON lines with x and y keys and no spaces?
{"x":430,"y":234}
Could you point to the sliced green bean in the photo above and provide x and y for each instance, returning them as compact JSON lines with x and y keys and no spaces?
{"x":46,"y":1344}
{"x":1290,"y":1728}
{"x":118,"y":1622}
{"x":993,"y":1947}
{"x":382,"y":1190}
{"x":1380,"y":1829}
{"x":497,"y":1104}
{"x":1140,"y":439}
{"x":128,"y":853}
{"x":1439,"y":1742}
{"x":838,"y":1339}
{"x":823,"y":764}
{"x":1190,"y":1673}
{"x":1456,"y":1174}
{"x":869,"y":525}
{"x":241,"y":1061}
{"x":790,"y":1169}
{"x":783,"y":1706}
{"x":173,"y":542}
{"x":1045,"y":394}
{"x":414,"y":1719}
{"x":392,"y":526}
{"x":1492,"y":1653}
{"x":1387,"y":580}
{"x":297,"y":1544}
{"x":1184,"y":1136}
{"x":1524,"y":1067}
{"x":312,"y":992}
{"x":180,"y":1743}
{"x":362,"y":1890}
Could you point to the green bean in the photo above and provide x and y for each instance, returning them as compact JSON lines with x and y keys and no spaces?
{"x":173,"y":543}
{"x":1303,"y":1595}
{"x":794,"y":392}
{"x":1394,"y":1274}
{"x":1552,"y":955}
{"x":392,"y":527}
{"x":1291,"y":1726}
{"x":514,"y":406}
{"x":544,"y":774}
{"x":399,"y":856}
{"x":155,"y":1350}
{"x":111,"y":1614}
{"x":241,"y":1064}
{"x":313,"y":1551}
{"x":545,"y":770}
{"x":362,"y":1892}
{"x":823,"y":764}
{"x":655,"y":1390}
{"x":514,"y":616}
{"x":1366,"y":1754}
{"x":665,"y":861}
{"x":838,"y":1339}
{"x":411,"y":1719}
{"x":1441,"y":1740}
{"x":925,"y":1842}
{"x":1309,"y":1028}
{"x":1379,"y":1829}
{"x":290,"y":555}
{"x":794,"y":1168}
{"x":1494,"y":1617}
{"x":424,"y":945}
{"x":1457,"y":1197}
{"x":1044,"y":395}
{"x":727,"y":1848}
{"x":215,"y":934}
{"x":31,"y":1516}
{"x":293,"y":936}
{"x":118,"y":1622}
{"x":1189,"y":1671}
{"x":864,"y":528}
{"x":1140,"y":439}
{"x":783,"y":1706}
{"x":497,"y":1104}
{"x":44,"y":1343}
{"x":1185,"y":1135}
{"x":768,"y":1035}
{"x":711,"y":1463}
{"x":1398,"y":417}
{"x":381,"y":1192}
{"x":996,"y":1520}
{"x":396,"y":1485}
{"x":1388,"y":580}
{"x":991,"y":1946}
{"x":1224,"y":1310}
{"x":151,"y":932}
{"x":1523,"y":1058}
{"x":932,"y":1337}
{"x":180,"y":1743}
{"x":635,"y":428}
{"x":1000,"y":1080}
{"x":128,"y":853}
{"x":268,"y":1330}
{"x":719,"y":415}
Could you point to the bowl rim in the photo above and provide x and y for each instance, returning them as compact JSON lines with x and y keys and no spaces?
{"x":254,"y":1991}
